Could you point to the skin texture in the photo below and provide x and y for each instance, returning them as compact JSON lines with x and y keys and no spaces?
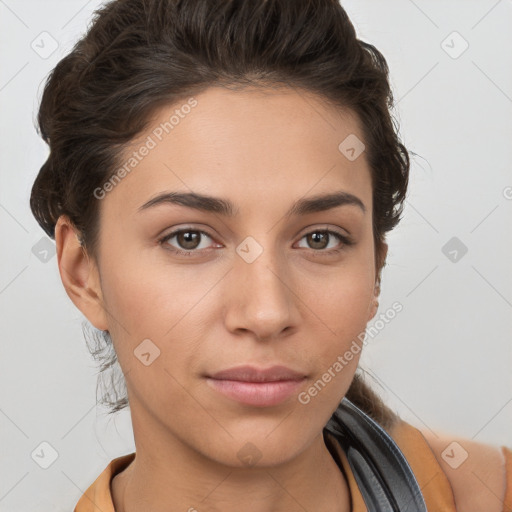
{"x":479,"y":483}
{"x":294,"y":305}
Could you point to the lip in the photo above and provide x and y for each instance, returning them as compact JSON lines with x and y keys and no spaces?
{"x":247,"y":373}
{"x":257,"y":387}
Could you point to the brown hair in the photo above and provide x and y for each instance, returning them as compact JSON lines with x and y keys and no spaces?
{"x":139,"y":55}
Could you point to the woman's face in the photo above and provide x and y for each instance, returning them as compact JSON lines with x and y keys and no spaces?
{"x":264,"y":286}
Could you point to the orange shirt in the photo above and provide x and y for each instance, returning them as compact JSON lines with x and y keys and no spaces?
{"x":432,"y":480}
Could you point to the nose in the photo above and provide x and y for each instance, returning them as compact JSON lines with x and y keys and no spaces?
{"x":261,"y":298}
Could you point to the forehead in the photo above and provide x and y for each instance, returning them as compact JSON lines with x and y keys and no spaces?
{"x":253,"y":145}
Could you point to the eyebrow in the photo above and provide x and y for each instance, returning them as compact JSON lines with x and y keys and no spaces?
{"x":225,"y":207}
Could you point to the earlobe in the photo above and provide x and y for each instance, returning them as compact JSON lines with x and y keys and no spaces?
{"x":373,"y":309}
{"x":79,"y":274}
{"x":375,"y":299}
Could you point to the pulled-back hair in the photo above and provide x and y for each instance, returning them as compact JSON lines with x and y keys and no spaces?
{"x":140,"y":55}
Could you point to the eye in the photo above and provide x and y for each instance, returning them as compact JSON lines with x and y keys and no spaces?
{"x":319,"y":240}
{"x":187,"y":239}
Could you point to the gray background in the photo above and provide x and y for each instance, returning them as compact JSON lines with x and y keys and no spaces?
{"x":444,"y":362}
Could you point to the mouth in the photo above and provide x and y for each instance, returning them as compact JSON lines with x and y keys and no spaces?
{"x":257,"y":387}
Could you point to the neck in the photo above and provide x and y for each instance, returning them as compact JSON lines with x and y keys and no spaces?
{"x":189,"y":482}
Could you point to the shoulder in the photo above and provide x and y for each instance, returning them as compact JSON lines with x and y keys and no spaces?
{"x":476,"y":471}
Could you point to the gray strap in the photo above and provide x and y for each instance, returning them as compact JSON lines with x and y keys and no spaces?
{"x":384,"y":477}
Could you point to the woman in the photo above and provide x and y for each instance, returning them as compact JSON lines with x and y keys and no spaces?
{"x":221,"y":179}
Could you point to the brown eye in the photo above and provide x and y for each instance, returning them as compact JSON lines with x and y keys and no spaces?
{"x":187,"y":241}
{"x":319,"y":240}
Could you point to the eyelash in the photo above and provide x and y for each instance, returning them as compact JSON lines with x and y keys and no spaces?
{"x":346,"y":241}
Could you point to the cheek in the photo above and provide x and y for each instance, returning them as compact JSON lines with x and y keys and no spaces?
{"x":342,"y":300}
{"x":338,"y":317}
{"x":152,"y":301}
{"x":350,"y":309}
{"x":148,"y":296}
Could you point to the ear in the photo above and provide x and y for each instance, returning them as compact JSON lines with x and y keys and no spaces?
{"x":380,"y":261}
{"x":79,"y":273}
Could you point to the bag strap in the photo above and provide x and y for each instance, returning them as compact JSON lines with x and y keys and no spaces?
{"x":385,"y":479}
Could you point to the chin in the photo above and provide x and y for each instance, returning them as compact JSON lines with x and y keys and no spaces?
{"x":255,"y":448}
